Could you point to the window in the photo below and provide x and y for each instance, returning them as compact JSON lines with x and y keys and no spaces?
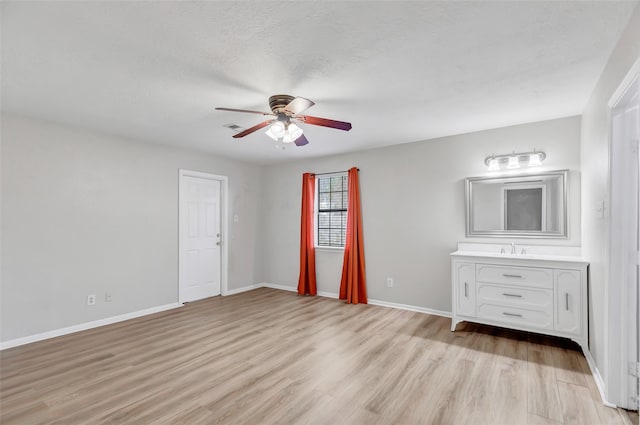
{"x":331,"y":210}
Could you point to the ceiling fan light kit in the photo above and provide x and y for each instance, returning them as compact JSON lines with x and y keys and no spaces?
{"x":284,"y":133}
{"x":286,"y":109}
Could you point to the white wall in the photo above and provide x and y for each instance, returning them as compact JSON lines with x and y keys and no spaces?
{"x":595,"y":174}
{"x":84,"y":213}
{"x":413,"y":208}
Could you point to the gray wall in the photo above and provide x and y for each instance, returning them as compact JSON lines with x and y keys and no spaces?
{"x":595,"y":170}
{"x":84,"y":213}
{"x":413,"y":208}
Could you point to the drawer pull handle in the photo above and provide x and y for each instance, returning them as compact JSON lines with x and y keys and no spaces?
{"x":512,"y":275}
{"x":466,"y":290}
{"x":512,"y":295}
{"x":566,"y":300}
{"x":512,"y":314}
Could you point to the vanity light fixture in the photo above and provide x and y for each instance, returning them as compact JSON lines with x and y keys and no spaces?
{"x":515,"y":160}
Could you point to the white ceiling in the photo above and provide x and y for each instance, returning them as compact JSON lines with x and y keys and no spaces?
{"x":398,"y":71}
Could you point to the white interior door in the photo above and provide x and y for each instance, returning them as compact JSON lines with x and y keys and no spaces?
{"x":201,"y":238}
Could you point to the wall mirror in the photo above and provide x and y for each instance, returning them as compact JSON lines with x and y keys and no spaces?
{"x":523,"y":206}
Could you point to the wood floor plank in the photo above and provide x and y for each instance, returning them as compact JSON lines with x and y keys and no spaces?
{"x":543,"y":399}
{"x":273,"y":357}
{"x":568,"y":366}
{"x":577,"y":406}
{"x":606,"y":414}
{"x":533,"y":419}
{"x":631,"y":417}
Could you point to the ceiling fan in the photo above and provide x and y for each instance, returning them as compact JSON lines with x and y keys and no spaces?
{"x":286,"y":110}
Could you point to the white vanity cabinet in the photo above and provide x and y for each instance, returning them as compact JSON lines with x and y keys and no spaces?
{"x":466,"y":286}
{"x":569,"y":302}
{"x":538,"y":293}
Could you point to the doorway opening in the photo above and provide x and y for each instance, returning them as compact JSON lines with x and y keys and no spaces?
{"x":623,"y":331}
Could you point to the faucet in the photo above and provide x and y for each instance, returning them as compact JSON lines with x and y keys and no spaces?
{"x":513,"y":247}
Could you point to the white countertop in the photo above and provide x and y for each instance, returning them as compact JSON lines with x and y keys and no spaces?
{"x":531,"y":252}
{"x":540,"y":257}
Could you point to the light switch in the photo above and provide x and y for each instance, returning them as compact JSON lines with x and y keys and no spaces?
{"x":236,"y":218}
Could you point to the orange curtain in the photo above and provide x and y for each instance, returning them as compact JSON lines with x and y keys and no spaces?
{"x":353,"y":286}
{"x":307,"y":279}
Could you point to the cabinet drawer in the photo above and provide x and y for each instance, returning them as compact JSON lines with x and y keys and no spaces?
{"x":529,"y":318}
{"x":526,"y":276}
{"x":513,"y":296}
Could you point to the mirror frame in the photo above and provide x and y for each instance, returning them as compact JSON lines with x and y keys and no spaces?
{"x":470,"y":232}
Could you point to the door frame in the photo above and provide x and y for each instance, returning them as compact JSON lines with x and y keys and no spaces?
{"x":619,"y":317}
{"x":224,"y":226}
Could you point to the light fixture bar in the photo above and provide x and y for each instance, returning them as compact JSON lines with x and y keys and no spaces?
{"x":515,"y":160}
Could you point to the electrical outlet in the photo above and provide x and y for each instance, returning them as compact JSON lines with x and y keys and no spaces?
{"x":91,"y":299}
{"x":107,"y":297}
{"x":389,"y":282}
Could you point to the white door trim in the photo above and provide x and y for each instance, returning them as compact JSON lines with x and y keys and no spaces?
{"x":224,"y":225}
{"x":627,"y":81}
{"x":616,"y":312}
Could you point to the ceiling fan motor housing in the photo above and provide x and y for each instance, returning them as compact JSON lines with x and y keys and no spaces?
{"x":279,"y":101}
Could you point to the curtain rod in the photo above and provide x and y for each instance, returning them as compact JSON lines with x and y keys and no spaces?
{"x":333,"y":172}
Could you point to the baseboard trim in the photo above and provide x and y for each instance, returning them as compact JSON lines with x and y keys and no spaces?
{"x":409,"y":307}
{"x":292,"y":289}
{"x":380,"y":303}
{"x":281,"y":287}
{"x":85,"y":326}
{"x":243,"y":289}
{"x":597,"y":377}
{"x":328,"y":294}
{"x":115,"y":319}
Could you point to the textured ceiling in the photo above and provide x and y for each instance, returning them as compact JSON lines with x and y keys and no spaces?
{"x":398,"y":71}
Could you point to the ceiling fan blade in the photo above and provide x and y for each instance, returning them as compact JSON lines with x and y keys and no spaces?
{"x":298,"y":105}
{"x":340,"y":125}
{"x":301,"y":141}
{"x":244,"y":110}
{"x":252,"y":129}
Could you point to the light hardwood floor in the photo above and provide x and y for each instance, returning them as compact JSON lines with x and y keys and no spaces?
{"x":273,"y":357}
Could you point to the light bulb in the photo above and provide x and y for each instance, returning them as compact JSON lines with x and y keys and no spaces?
{"x":278,"y":129}
{"x":494,"y":165}
{"x":294,"y":131}
{"x":270,"y":134}
{"x":513,"y":162}
{"x":534,"y":160}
